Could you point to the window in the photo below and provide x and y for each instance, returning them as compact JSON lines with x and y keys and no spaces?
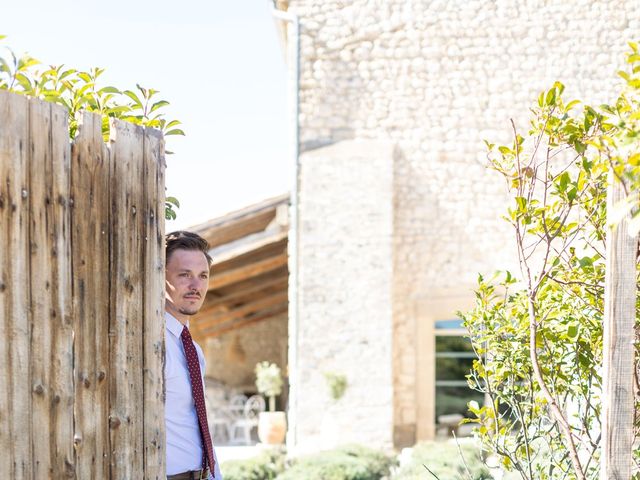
{"x":453,"y":361}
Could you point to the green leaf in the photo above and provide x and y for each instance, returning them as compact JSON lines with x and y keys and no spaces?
{"x":175,"y":131}
{"x":585,"y":262}
{"x":572,"y":331}
{"x":108,"y":90}
{"x":564,"y":181}
{"x":572,"y":104}
{"x":66,"y":73}
{"x":4,"y":66}
{"x":24,"y":82}
{"x":133,"y":97}
{"x":85,"y":77}
{"x":550,"y":99}
{"x":559,"y":86}
{"x":157,"y":105}
{"x":169,"y":213}
{"x":173,"y":201}
{"x":26,"y":61}
{"x":635,"y":57}
{"x":142,"y":90}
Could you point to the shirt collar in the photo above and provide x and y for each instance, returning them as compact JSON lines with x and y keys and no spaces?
{"x":174,"y":325}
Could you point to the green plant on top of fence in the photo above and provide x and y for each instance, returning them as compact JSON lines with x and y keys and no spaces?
{"x":80,"y":90}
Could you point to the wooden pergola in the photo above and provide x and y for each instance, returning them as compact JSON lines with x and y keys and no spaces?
{"x":249,"y":275}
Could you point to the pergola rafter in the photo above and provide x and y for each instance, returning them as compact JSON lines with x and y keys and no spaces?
{"x":249,"y":277}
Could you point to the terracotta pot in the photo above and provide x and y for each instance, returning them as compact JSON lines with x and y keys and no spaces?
{"x":272,"y":427}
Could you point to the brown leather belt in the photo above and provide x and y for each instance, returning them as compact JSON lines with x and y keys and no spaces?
{"x":192,"y":475}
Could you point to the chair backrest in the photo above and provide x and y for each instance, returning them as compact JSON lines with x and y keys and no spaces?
{"x":254,"y":405}
{"x":237,"y":406}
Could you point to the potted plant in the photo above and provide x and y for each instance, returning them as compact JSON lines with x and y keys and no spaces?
{"x":272,"y":425}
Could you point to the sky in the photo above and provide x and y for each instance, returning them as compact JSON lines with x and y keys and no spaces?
{"x":219,"y":64}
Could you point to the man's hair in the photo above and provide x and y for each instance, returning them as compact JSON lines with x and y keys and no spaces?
{"x":182,"y":240}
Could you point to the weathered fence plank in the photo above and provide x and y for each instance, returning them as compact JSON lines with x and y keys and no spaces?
{"x":619,"y":350}
{"x":15,"y":406}
{"x":50,"y":288}
{"x":91,"y":215}
{"x":62,"y":385}
{"x":127,"y":303}
{"x":40,"y":285}
{"x":153,"y":328}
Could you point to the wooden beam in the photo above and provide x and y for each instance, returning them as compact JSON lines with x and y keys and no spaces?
{"x":243,"y":310}
{"x":241,"y":273}
{"x":280,"y":282}
{"x":267,"y":251}
{"x":238,"y":224}
{"x":620,"y":294}
{"x":246,"y":245}
{"x":281,"y":309}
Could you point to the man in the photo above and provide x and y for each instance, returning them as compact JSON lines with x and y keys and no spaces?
{"x":190,"y":453}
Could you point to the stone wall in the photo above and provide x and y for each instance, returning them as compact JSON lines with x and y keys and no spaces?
{"x":434,"y":78}
{"x":345,"y":243}
{"x":232,"y":357}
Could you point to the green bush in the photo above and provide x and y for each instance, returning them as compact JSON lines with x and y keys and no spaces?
{"x":351,"y":462}
{"x":265,"y":466}
{"x":444,"y":461}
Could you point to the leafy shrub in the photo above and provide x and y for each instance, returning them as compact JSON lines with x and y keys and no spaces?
{"x":351,"y":462}
{"x":263,"y":467}
{"x":79,"y":90}
{"x":445,"y":462}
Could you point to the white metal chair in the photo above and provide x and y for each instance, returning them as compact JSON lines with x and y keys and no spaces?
{"x":219,"y":426}
{"x":240,"y":431}
{"x":219,"y":421}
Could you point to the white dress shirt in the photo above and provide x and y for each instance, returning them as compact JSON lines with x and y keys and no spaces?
{"x":184,"y":442}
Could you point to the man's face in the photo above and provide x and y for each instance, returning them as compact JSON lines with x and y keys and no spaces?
{"x":187,"y":279}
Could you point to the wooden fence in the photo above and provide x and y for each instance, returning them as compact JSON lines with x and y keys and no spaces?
{"x":81,"y":295}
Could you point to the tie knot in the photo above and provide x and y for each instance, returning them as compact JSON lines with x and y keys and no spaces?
{"x":185,"y":333}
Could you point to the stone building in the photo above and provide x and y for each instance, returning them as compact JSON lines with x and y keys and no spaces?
{"x":393,"y":212}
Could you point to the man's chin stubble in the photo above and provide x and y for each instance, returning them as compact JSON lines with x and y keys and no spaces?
{"x":184,"y":311}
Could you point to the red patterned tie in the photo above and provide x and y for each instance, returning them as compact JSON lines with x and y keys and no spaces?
{"x":198,"y":396}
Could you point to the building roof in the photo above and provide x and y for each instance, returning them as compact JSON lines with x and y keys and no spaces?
{"x":249,"y":274}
